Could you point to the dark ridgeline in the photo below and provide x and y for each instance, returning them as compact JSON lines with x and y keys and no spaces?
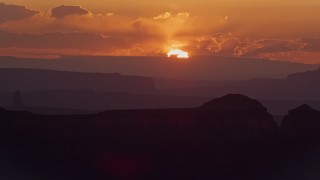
{"x":58,"y":92}
{"x":89,"y":101}
{"x":302,"y":86}
{"x":36,"y":79}
{"x":301,"y":132}
{"x":232,"y":137}
{"x":208,"y":142}
{"x":303,"y":76}
{"x":234,"y":102}
{"x":302,"y":124}
{"x":198,"y":67}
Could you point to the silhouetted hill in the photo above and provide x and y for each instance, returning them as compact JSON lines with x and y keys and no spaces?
{"x":199,"y":143}
{"x":234,"y":102}
{"x":281,"y":107}
{"x":220,"y":141}
{"x":302,"y":123}
{"x":32,"y":79}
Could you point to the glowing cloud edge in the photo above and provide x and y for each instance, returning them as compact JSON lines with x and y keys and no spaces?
{"x":178,"y":53}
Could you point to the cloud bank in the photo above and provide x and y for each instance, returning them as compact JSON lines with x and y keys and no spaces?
{"x":75,"y":30}
{"x":14,"y":12}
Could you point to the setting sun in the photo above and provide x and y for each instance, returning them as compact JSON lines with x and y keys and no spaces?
{"x":178,"y":53}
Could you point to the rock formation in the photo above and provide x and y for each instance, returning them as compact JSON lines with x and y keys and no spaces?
{"x":232,"y":102}
{"x":302,"y":123}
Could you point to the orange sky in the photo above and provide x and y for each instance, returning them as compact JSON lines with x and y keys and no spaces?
{"x":285,"y":30}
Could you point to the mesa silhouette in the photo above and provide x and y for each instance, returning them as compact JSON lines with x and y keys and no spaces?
{"x":196,"y":68}
{"x":302,"y":124}
{"x":36,"y":79}
{"x":302,"y":86}
{"x":211,"y":141}
{"x":71,"y":92}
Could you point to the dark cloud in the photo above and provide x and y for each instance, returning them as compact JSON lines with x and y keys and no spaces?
{"x":258,"y":47}
{"x":14,"y":12}
{"x":63,"y":11}
{"x":79,"y":41}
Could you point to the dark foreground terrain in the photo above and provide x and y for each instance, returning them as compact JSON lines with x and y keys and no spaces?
{"x":233,"y":137}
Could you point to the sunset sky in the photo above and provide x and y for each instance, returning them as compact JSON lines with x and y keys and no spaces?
{"x":272,"y":29}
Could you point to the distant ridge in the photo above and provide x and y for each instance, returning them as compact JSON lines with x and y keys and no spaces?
{"x":12,"y":79}
{"x":302,"y":108}
{"x":197,"y":67}
{"x":303,"y":86}
{"x":310,"y":75}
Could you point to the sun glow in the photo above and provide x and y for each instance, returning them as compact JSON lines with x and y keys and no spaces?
{"x":178,"y":53}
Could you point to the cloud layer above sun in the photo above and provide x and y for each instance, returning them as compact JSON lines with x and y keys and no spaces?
{"x":76,"y":30}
